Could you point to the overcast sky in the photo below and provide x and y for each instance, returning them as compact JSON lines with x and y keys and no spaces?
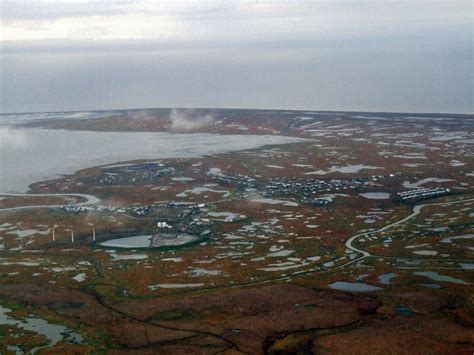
{"x":413,"y":56}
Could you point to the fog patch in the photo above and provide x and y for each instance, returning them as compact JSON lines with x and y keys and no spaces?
{"x":187,"y":121}
{"x":12,"y":138}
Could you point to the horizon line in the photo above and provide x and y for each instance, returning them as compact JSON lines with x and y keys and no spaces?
{"x":243,"y":109}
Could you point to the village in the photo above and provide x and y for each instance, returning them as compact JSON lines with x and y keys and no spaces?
{"x":320,"y":213}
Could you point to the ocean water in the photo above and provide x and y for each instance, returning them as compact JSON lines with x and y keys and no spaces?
{"x":31,"y":155}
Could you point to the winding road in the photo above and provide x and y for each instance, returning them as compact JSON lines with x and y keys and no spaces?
{"x":90,"y":200}
{"x":416,"y":211}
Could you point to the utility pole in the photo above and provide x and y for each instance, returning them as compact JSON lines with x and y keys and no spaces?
{"x":54,"y":237}
{"x":93,"y":234}
{"x":72,"y":236}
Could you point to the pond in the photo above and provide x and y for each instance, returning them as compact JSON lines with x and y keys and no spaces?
{"x":273,"y":201}
{"x":347,"y":169}
{"x":376,"y":195}
{"x":438,"y":277}
{"x":150,"y":241}
{"x":158,"y":286}
{"x":449,"y":240}
{"x":385,"y":278}
{"x":138,"y":241}
{"x":430,"y":285}
{"x":353,"y":286}
{"x":406,"y":311}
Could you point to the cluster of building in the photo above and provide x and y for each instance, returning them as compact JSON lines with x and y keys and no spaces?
{"x":318,"y":202}
{"x":185,"y":208}
{"x":73,"y":208}
{"x":163,"y":225}
{"x":421,"y":194}
{"x":140,"y":211}
{"x":308,"y":187}
{"x":135,"y":175}
{"x":238,"y":179}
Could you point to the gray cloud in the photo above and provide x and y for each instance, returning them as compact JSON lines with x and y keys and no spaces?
{"x":229,"y":20}
{"x":420,"y":73}
{"x":54,"y":9}
{"x":340,"y":55}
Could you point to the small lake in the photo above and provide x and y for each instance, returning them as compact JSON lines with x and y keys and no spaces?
{"x":430,"y":285}
{"x":138,"y":241}
{"x":376,"y":195}
{"x":158,"y":286}
{"x":449,"y":240}
{"x":438,"y":277}
{"x":406,"y":311}
{"x":466,"y":266}
{"x":54,"y":333}
{"x":273,"y":201}
{"x":347,"y":169}
{"x":353,"y":286}
{"x":228,"y":216}
{"x":386,"y":278}
{"x":150,"y":241}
